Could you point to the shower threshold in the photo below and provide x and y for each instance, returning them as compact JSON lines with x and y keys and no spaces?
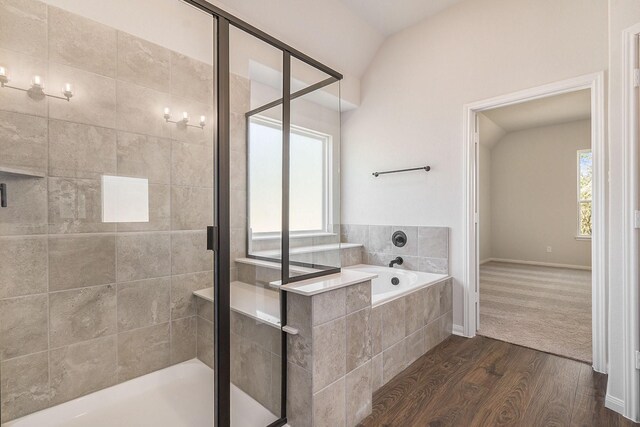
{"x":178,"y":396}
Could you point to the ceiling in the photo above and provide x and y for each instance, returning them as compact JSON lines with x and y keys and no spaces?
{"x":547,"y":111}
{"x":391,"y":16}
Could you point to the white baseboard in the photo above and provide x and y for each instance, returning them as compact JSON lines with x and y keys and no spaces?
{"x":484,"y":261}
{"x":542,"y":264}
{"x":614,"y":403}
{"x":458,"y":330}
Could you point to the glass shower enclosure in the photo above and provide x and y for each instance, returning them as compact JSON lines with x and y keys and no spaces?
{"x":159,"y":184}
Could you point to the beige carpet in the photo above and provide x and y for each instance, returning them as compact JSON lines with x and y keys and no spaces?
{"x":544,"y":308}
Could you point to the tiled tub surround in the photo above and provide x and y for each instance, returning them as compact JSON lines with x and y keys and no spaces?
{"x":427,"y":248}
{"x":346,"y":348}
{"x":85,"y":304}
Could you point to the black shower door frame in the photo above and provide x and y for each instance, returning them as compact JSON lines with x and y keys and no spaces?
{"x":218,"y":236}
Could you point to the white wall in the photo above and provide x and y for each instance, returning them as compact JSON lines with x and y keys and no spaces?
{"x":484,"y":203}
{"x":622,"y":14}
{"x":534,"y":195}
{"x":415,"y":89}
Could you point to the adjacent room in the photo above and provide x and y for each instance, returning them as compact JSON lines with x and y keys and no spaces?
{"x":535,"y":194}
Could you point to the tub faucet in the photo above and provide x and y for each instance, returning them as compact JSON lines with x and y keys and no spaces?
{"x":398,"y":261}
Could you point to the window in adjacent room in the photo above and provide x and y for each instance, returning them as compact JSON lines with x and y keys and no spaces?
{"x":585,"y":183}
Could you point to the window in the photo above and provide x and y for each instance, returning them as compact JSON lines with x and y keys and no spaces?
{"x":309,"y":178}
{"x":585,"y":180}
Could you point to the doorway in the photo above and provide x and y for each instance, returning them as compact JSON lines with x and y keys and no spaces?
{"x":591,"y":87}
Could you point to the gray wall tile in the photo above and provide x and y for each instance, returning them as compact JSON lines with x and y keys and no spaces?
{"x":23,"y":326}
{"x":82,"y":43}
{"x":189,"y":252}
{"x":379,"y":238}
{"x":183,"y":339}
{"x":82,"y":314}
{"x":393,"y":360}
{"x":328,"y":366}
{"x":143,"y":255}
{"x":94,"y":99}
{"x":358,"y":296}
{"x":23,"y":26}
{"x":376,"y":329}
{"x":414,"y":309}
{"x":431,"y":295}
{"x":377,"y":380}
{"x":393,"y":322}
{"x":415,"y":346}
{"x":251,"y":368}
{"x":191,"y":165}
{"x":358,"y":394}
{"x":329,"y":406}
{"x":144,"y":156}
{"x":205,"y":341}
{"x":446,"y":296}
{"x":143,"y":350}
{"x":358,"y":338}
{"x":433,"y":242}
{"x":77,"y":261}
{"x":24,"y":385}
{"x":82,"y":368}
{"x":75,"y":206}
{"x":26,"y":212}
{"x":264,"y":335}
{"x":434,"y":265}
{"x":141,"y":109}
{"x":328,"y":306}
{"x":183,"y":302}
{"x":191,"y":208}
{"x":204,"y":309}
{"x":143,"y":63}
{"x":81,"y":151}
{"x":300,"y":347}
{"x":411,"y":247}
{"x":354,"y":234}
{"x":191,"y":78}
{"x":240,"y":94}
{"x":143,"y":303}
{"x":23,"y":140}
{"x":23,"y":269}
{"x":299,"y":396}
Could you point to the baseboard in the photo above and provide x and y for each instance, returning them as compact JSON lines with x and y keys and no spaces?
{"x":614,"y":403}
{"x":484,"y":261}
{"x":458,"y":330}
{"x":540,"y":263}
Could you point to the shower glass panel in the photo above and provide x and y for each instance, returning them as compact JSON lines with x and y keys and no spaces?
{"x":106,"y":152}
{"x":256,"y":228}
{"x":314,"y":177}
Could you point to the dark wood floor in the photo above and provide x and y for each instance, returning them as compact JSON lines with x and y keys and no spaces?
{"x":484,"y":382}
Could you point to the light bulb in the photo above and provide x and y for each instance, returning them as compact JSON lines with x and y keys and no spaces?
{"x":167,"y":113}
{"x":3,"y":75}
{"x":67,"y":90}
{"x":185,"y":117}
{"x":36,"y":83}
{"x":202,"y":120}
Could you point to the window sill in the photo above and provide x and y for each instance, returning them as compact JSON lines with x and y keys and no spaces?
{"x":295,"y":236}
{"x":586,"y":238}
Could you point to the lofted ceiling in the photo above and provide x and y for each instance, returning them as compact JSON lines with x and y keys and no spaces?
{"x":547,"y":111}
{"x":391,"y":16}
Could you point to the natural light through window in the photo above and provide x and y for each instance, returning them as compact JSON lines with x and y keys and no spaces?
{"x":585,"y":180}
{"x":308,"y":178}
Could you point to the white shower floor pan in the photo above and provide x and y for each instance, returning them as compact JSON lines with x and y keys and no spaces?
{"x":178,"y":396}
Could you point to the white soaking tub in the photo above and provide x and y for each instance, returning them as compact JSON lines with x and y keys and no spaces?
{"x":382,"y":289}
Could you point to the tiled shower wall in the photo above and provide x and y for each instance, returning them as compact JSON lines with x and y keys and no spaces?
{"x":427,"y":248}
{"x":85,"y":304}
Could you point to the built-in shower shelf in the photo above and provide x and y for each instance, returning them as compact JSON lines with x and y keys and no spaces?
{"x":256,"y":302}
{"x":26,"y":173}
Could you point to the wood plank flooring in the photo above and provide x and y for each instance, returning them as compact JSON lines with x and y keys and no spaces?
{"x":484,"y":382}
{"x":544,"y":308}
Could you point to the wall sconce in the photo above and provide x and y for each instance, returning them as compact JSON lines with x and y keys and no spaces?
{"x":37,"y":86}
{"x":185,"y":119}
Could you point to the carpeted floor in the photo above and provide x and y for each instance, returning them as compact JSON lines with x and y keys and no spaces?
{"x":544,"y":308}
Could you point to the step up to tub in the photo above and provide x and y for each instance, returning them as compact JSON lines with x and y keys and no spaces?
{"x":258,"y":303}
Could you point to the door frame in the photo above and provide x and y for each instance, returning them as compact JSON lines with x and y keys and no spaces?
{"x":594,"y":82}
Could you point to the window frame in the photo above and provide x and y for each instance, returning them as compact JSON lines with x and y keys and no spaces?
{"x":327,"y":184}
{"x":580,"y":201}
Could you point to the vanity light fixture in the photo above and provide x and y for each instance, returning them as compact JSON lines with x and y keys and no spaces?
{"x":37,"y":86}
{"x":184,"y":121}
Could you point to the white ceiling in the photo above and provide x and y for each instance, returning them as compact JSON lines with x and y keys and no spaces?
{"x":548,"y":111}
{"x":391,"y":16}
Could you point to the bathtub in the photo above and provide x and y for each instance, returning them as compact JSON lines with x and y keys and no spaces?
{"x":382,"y":290}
